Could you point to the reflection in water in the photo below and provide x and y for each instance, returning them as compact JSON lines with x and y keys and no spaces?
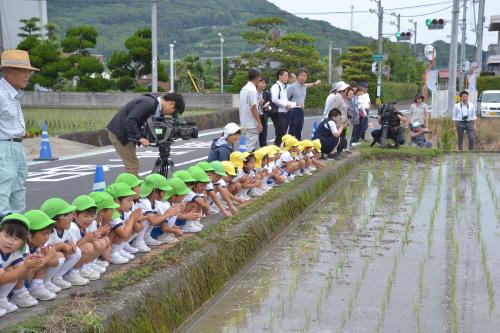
{"x":331,"y":271}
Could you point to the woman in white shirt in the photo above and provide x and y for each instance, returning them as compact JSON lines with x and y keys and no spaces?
{"x":418,"y":111}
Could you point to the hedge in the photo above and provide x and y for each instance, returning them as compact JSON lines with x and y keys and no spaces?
{"x":391,"y":91}
{"x":488,"y":83}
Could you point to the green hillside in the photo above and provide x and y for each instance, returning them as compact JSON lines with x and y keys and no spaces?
{"x":192,"y":24}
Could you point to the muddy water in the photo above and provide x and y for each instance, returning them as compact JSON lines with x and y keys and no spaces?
{"x":402,"y":247}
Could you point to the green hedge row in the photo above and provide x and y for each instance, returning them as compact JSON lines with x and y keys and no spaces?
{"x":391,"y":91}
{"x":488,"y":83}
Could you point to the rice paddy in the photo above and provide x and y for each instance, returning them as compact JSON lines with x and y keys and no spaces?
{"x":405,"y":246}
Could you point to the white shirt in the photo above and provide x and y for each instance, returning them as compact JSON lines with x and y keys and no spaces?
{"x":190,"y":197}
{"x":11,"y":116}
{"x":163,"y":206}
{"x":280,"y":98}
{"x":364,"y":100}
{"x":56,"y":238}
{"x":285,"y":158}
{"x":248,"y":99}
{"x":460,"y":110}
{"x":92,"y":227}
{"x":221,"y":183}
{"x":74,"y":233}
{"x":332,"y":126}
{"x":328,"y":105}
{"x":146,"y":206}
{"x":13,"y":258}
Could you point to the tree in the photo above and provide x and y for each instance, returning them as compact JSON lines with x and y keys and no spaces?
{"x":356,"y":64}
{"x":30,"y":28}
{"x":80,"y":39}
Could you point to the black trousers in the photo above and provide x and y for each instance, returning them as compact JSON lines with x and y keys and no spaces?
{"x":342,"y":142}
{"x":280,"y":122}
{"x":263,"y":134}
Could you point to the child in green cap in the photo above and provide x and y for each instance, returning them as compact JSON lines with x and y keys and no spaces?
{"x":41,"y":226}
{"x":15,"y":263}
{"x":215,"y":173}
{"x":196,"y":202}
{"x":62,"y":213}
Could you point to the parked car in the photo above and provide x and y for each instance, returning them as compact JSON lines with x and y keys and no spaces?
{"x":488,"y":104}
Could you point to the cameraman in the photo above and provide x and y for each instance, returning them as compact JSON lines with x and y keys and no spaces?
{"x":124,"y":129}
{"x":395,"y":130}
{"x":418,"y":132}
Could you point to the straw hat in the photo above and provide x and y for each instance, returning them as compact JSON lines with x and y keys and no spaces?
{"x":16,"y":59}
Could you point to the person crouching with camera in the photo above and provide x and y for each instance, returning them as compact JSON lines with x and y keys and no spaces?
{"x":464,"y":116}
{"x":417,"y":134}
{"x":390,"y":116}
{"x":124,"y":129}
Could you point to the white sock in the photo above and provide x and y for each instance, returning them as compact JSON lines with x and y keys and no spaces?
{"x":70,"y":263}
{"x":36,"y":283}
{"x":133,"y":237}
{"x":6,"y":288}
{"x":140,"y":234}
{"x":52,"y":271}
{"x":115,"y":248}
{"x":19,"y":291}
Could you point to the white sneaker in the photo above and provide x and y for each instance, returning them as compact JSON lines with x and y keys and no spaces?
{"x":23,"y":299}
{"x":313,"y":168}
{"x":52,"y":287}
{"x":354,"y":144}
{"x":198,"y":224}
{"x":142,"y":247}
{"x":102,"y":263}
{"x":244,"y":197}
{"x":117,"y":259}
{"x":126,"y":254}
{"x":60,"y":282}
{"x":42,"y":294}
{"x":89,"y":274}
{"x":291,"y":177}
{"x":76,"y":278}
{"x":7,"y":306}
{"x":2,"y":312}
{"x":298,"y":173}
{"x":190,"y":227}
{"x":168,"y":238}
{"x":214,"y":210}
{"x":97,"y":268}
{"x":150,"y":241}
{"x":307,"y":172}
{"x":130,"y":249}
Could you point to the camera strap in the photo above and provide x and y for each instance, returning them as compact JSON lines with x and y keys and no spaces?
{"x":151,"y":127}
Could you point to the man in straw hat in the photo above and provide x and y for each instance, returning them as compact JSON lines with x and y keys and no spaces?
{"x":16,"y":71}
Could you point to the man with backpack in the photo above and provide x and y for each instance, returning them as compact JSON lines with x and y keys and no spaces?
{"x":280,"y":106}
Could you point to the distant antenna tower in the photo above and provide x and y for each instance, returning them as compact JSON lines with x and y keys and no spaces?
{"x":352,"y":17}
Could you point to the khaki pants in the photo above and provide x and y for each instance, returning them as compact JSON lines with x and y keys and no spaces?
{"x":126,"y":153}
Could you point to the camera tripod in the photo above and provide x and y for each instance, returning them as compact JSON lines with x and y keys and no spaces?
{"x":164,"y":163}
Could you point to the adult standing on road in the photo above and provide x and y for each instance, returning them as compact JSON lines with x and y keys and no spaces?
{"x":280,"y":106}
{"x":16,"y":72}
{"x":249,"y":113}
{"x":124,"y":129}
{"x":264,"y":96}
{"x":464,"y":116}
{"x":297,"y":93}
{"x":365,"y":103}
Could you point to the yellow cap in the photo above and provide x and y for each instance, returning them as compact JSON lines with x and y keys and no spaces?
{"x":229,"y":167}
{"x":259,"y":156}
{"x":286,"y":137}
{"x":236,"y":158}
{"x":316,"y":144}
{"x":291,"y":142}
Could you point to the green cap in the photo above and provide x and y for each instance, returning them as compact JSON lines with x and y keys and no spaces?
{"x":56,"y":206}
{"x":205,"y":166}
{"x":115,"y":215}
{"x":199,"y":174}
{"x":83,"y":202}
{"x":219,"y":168}
{"x":103,"y":200}
{"x":184,"y":175}
{"x":129,"y":179}
{"x":17,"y":217}
{"x":178,"y":187}
{"x":153,"y":181}
{"x":38,"y":219}
{"x":119,"y":189}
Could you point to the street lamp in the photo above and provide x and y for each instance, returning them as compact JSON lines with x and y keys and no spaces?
{"x":172,"y":75}
{"x":221,"y":62}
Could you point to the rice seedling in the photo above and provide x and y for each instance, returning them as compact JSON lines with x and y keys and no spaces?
{"x":270,"y":321}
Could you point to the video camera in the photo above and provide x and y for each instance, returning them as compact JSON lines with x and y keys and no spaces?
{"x":388,"y":114}
{"x":160,"y":130}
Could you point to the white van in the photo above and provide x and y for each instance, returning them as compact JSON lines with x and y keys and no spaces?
{"x":488,"y":104}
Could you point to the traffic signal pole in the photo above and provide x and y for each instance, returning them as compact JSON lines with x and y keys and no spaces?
{"x":380,"y":14}
{"x":452,"y":69}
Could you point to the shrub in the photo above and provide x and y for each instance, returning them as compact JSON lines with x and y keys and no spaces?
{"x":393,"y":91}
{"x":488,"y":83}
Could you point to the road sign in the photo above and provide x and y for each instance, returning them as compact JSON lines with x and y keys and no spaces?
{"x":377,"y":57}
{"x":374,"y":67}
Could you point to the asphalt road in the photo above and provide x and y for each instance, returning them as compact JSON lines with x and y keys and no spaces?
{"x":74,"y":175}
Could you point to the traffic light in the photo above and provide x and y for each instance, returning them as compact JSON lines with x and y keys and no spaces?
{"x":403,"y":35}
{"x":434,"y":24}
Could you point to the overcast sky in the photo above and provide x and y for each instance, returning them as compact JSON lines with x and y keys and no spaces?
{"x":366,"y":23}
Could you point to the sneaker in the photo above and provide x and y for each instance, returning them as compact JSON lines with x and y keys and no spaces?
{"x":347,"y":150}
{"x":150,"y":241}
{"x":198,"y":224}
{"x":102,"y":263}
{"x":168,"y":238}
{"x":6,"y":306}
{"x":60,"y":282}
{"x":89,"y":274}
{"x":42,"y":294}
{"x":52,"y":287}
{"x":130,"y":249}
{"x":75,"y":278}
{"x":291,"y":177}
{"x":190,"y":227}
{"x":214,"y":210}
{"x":126,"y":254}
{"x":313,"y":168}
{"x":354,"y":144}
{"x":117,"y":259}
{"x":142,"y":247}
{"x":97,"y":268}
{"x":23,"y":299}
{"x":298,"y":173}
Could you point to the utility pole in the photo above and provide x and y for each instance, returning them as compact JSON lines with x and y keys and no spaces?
{"x":479,"y":36}
{"x":462,"y":45}
{"x":172,"y":75}
{"x":221,"y":62}
{"x":1,"y":31}
{"x":452,"y":69}
{"x":154,"y":44}
{"x":352,"y":17}
{"x":380,"y":14}
{"x":330,"y":45}
{"x":415,"y":36}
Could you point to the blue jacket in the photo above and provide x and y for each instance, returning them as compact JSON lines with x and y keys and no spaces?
{"x":220,"y":150}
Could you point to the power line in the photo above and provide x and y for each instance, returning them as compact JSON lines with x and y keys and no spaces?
{"x":367,"y":11}
{"x":437,"y":11}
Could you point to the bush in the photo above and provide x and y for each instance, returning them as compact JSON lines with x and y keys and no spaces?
{"x":393,"y":91}
{"x":488,"y":83}
{"x":316,"y":96}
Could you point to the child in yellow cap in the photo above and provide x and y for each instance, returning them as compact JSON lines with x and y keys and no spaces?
{"x":229,"y":187}
{"x":247,"y":177}
{"x":289,"y":166}
{"x":316,"y":151}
